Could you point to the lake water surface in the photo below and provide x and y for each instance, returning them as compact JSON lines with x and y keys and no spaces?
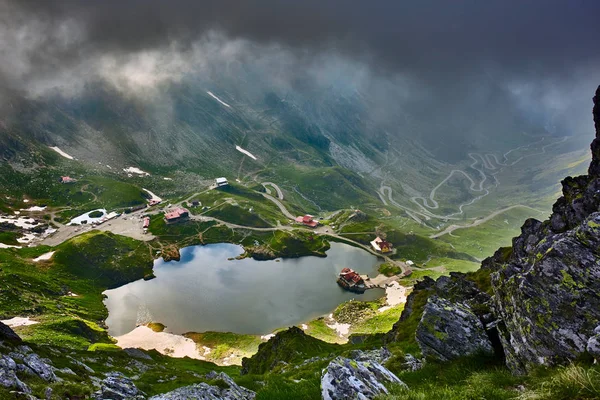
{"x":206,"y":292}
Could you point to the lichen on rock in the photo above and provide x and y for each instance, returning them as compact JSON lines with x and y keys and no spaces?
{"x":448,"y":331}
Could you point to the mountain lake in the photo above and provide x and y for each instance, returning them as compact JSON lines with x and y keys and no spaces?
{"x":205,"y":291}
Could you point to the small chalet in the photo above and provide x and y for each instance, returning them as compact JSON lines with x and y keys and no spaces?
{"x":381,"y":245}
{"x":67,"y":179}
{"x":221,"y":182}
{"x":153,"y":202}
{"x":352,"y":281}
{"x":195,"y":203}
{"x":177,"y":215}
{"x":307,"y":220}
{"x":146,"y":222}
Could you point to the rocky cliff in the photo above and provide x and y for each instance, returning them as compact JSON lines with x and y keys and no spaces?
{"x":537,"y":303}
{"x":547,"y":294}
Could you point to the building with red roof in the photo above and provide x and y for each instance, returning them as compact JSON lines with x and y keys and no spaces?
{"x":307,"y":220}
{"x":351,"y":280}
{"x":67,"y":179}
{"x":176,"y":215}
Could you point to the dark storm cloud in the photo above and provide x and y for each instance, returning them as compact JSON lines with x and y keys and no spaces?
{"x":461,"y":58}
{"x":433,"y":38}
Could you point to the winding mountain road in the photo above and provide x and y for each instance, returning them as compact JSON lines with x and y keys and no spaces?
{"x":481,"y":162}
{"x":480,"y":221}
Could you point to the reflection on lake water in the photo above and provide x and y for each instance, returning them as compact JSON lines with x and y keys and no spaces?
{"x":206,"y":292}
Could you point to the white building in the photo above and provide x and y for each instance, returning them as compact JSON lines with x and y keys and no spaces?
{"x":221,"y":182}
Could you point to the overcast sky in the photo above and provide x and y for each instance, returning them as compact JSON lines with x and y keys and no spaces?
{"x":545,"y":50}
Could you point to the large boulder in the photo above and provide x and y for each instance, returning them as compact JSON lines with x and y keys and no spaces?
{"x":346,"y":379}
{"x":8,"y":375}
{"x":226,"y":389}
{"x":117,"y":386}
{"x":548,"y":299}
{"x":450,"y":330}
{"x":593,"y":344}
{"x":39,"y":367}
{"x":6,"y":333}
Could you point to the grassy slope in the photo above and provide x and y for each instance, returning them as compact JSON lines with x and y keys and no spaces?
{"x":83,"y":266}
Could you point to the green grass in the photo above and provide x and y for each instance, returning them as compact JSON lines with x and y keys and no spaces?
{"x":224,"y":344}
{"x":156,"y":326}
{"x":8,"y":237}
{"x":318,"y":329}
{"x":483,"y":240}
{"x":388,"y":269}
{"x":237,"y":214}
{"x":381,"y":322}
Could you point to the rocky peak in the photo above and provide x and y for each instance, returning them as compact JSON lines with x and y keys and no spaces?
{"x":581,"y":195}
{"x":546,"y":290}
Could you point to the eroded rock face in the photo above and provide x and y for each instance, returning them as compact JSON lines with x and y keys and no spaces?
{"x":227,"y":390}
{"x":451,"y":330}
{"x":548,"y":299}
{"x":345,"y":379}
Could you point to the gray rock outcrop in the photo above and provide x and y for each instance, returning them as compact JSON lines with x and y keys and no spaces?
{"x":593,"y":344}
{"x":450,"y":330}
{"x":226,"y":390}
{"x":546,"y":290}
{"x":8,"y":375}
{"x":117,"y":386}
{"x":346,"y":379}
{"x":39,"y":367}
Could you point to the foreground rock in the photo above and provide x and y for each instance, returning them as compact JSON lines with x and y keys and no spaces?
{"x":451,"y":330}
{"x":6,"y":333}
{"x":8,"y":375}
{"x":227,"y":390}
{"x":345,"y":379}
{"x":118,"y":387}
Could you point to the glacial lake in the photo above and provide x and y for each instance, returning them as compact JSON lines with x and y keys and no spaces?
{"x":207,"y":292}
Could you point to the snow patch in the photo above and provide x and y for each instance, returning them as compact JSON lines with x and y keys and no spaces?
{"x":267,"y":337}
{"x":135,"y":170}
{"x":45,"y":256}
{"x":86,"y":217}
{"x":341,"y":329}
{"x":153,"y":196}
{"x":19,"y":321}
{"x":62,"y":153}
{"x":168,"y":179}
{"x":26,"y":238}
{"x":34,"y":208}
{"x":21,"y":222}
{"x":304,"y":327}
{"x":246,"y":152}
{"x":8,"y":246}
{"x":211,"y":94}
